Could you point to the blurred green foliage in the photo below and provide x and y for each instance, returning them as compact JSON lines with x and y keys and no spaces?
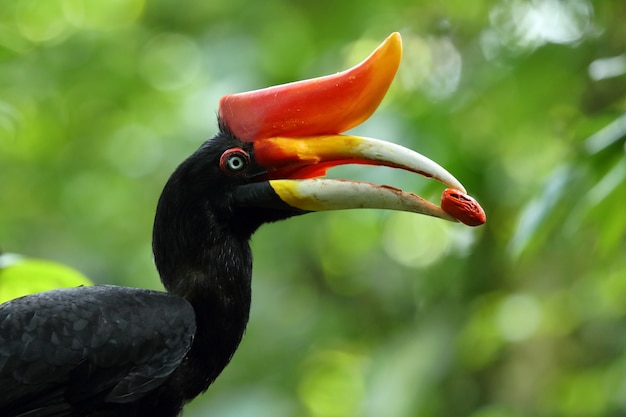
{"x":360,"y":313}
{"x":22,"y":276}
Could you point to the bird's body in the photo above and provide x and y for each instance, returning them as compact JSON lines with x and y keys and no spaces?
{"x":139,"y":352}
{"x":64,"y":351}
{"x":115,"y":351}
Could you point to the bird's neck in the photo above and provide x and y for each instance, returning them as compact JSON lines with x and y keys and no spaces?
{"x":200,"y":259}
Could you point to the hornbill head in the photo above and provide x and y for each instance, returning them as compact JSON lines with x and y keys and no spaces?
{"x":276,"y":143}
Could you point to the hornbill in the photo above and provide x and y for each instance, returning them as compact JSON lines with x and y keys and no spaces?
{"x":116,"y":351}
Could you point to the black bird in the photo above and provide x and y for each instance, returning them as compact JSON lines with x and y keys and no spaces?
{"x":115,"y":351}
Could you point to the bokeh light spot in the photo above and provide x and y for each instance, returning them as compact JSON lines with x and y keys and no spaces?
{"x":415,"y":241}
{"x":333,"y":384}
{"x":607,"y":67}
{"x":103,"y":14}
{"x":134,"y":151}
{"x":170,"y":61}
{"x":519,"y":316}
{"x":433,"y":65}
{"x":526,"y":25}
{"x":41,"y":21}
{"x":9,"y":121}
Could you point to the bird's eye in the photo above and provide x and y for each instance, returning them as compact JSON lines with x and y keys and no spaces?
{"x":234,"y":160}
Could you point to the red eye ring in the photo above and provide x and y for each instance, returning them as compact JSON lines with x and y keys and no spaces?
{"x":234,"y":160}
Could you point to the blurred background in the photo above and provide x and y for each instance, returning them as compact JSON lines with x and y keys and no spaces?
{"x":357,"y":313}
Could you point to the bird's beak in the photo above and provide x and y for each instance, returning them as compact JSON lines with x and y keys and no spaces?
{"x":295,"y":166}
{"x":295,"y":129}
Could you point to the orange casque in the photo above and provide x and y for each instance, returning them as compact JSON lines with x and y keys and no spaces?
{"x":320,"y":106}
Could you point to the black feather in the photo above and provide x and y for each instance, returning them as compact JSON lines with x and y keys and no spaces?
{"x":114,"y":351}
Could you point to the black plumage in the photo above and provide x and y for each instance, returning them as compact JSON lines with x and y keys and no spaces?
{"x":115,"y":351}
{"x":71,"y":349}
